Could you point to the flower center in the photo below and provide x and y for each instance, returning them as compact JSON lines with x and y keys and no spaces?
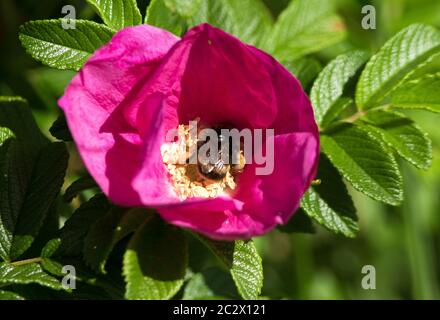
{"x":200,"y":164}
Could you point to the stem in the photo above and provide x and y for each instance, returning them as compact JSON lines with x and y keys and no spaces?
{"x":27,"y":261}
{"x":362,"y":113}
{"x":21,"y":263}
{"x":355,"y":116}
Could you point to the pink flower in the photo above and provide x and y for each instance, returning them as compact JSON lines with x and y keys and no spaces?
{"x":146,"y":81}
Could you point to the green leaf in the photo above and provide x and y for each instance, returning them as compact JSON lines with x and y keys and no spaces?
{"x":117,"y":14}
{"x":330,"y":84}
{"x":16,"y":170}
{"x":112,"y":283}
{"x":76,"y":228}
{"x":16,"y":115}
{"x":327,"y":216}
{"x":422,"y":93}
{"x":50,"y":248}
{"x":338,"y":108}
{"x":300,"y":222}
{"x":60,"y":130}
{"x":25,"y":274}
{"x":5,"y":135}
{"x":30,"y":182}
{"x":8,"y":295}
{"x":49,"y":84}
{"x":107,"y":231}
{"x":365,"y":162}
{"x":212,"y":283}
{"x":48,"y":42}
{"x":78,"y":186}
{"x":42,"y":190}
{"x":304,"y":69}
{"x":394,"y":63}
{"x":242,"y":260}
{"x":13,"y":181}
{"x":329,"y":202}
{"x":185,"y":8}
{"x":305,"y":26}
{"x":155,"y":262}
{"x":19,"y":171}
{"x":249,"y":20}
{"x":161,"y":16}
{"x":402,"y":134}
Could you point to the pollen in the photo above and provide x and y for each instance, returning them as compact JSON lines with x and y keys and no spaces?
{"x":185,"y":178}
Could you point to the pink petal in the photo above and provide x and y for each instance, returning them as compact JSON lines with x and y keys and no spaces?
{"x":213,"y":219}
{"x":272,"y":199}
{"x":154,"y":114}
{"x":94,"y":101}
{"x":294,"y":110}
{"x":225,"y":82}
{"x":267,"y":200}
{"x":209,"y":75}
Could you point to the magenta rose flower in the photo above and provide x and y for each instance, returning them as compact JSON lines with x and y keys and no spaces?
{"x":146,"y":82}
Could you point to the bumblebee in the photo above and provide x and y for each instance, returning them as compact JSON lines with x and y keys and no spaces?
{"x":218,"y":169}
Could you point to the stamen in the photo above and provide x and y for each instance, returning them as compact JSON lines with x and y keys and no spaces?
{"x":186,"y":178}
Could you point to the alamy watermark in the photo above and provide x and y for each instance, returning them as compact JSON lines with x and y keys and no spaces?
{"x":223,"y":144}
{"x":369,"y":19}
{"x":69,"y":280}
{"x":69,"y":20}
{"x":369,"y":280}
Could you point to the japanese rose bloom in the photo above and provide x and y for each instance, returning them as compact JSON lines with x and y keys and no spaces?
{"x":147,"y":81}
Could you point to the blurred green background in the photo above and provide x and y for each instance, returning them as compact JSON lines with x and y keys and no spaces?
{"x":403,"y":243}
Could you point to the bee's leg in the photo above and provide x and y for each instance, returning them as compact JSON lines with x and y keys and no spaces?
{"x":239,"y":165}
